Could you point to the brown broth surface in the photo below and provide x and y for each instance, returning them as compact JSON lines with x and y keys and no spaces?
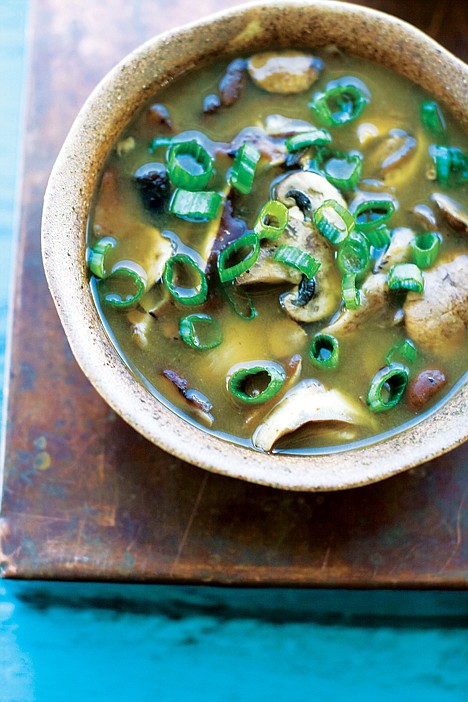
{"x":119,"y":211}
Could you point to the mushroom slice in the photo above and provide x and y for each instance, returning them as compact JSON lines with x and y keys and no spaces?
{"x":398,"y":251}
{"x":314,"y":187}
{"x":437,"y":319}
{"x":308,"y":402}
{"x":284,"y":71}
{"x":452,"y":210}
{"x":279,"y":126}
{"x":374,"y":296}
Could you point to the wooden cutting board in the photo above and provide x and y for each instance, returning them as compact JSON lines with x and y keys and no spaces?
{"x":85,"y":497}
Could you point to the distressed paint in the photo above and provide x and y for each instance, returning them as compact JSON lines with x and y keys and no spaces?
{"x":87,"y":497}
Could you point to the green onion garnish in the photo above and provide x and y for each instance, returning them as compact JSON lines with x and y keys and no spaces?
{"x":426,"y":249}
{"x":255,"y":382}
{"x":341,"y":169}
{"x":451,"y":164}
{"x":341,"y":102}
{"x":244,"y":167}
{"x":354,"y":253}
{"x":185,"y":281}
{"x":200,"y":331}
{"x":97,"y":254}
{"x":406,"y":350}
{"x":272,"y":220}
{"x":325,"y":350}
{"x":240,"y":300}
{"x":387,"y":387}
{"x":297,"y":258}
{"x":189,"y":165}
{"x":432,"y":117}
{"x":122,"y":288}
{"x":316,"y":137}
{"x":379,"y":237}
{"x":351,"y":296}
{"x":406,"y":276}
{"x":334,"y":221}
{"x":369,"y":214}
{"x":195,"y":206}
{"x":228,"y":265}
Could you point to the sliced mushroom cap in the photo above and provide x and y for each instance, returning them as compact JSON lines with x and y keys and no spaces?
{"x":308,"y":402}
{"x":398,"y":251}
{"x":453,"y":211}
{"x":284,"y":71}
{"x":437,"y":319}
{"x":314,"y":187}
{"x":279,"y":126}
{"x":425,"y":217}
{"x":374,"y":296}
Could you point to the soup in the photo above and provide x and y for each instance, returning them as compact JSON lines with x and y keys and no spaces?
{"x":278,"y":249}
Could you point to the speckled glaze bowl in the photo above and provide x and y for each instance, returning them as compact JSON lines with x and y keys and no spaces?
{"x":252,"y":27}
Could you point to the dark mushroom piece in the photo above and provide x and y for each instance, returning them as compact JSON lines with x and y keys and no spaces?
{"x":452,"y":210}
{"x":152,"y":181}
{"x":196,"y":400}
{"x":232,"y":84}
{"x":158,"y":116}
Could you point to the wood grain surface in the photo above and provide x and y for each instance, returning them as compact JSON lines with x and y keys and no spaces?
{"x":85,"y":497}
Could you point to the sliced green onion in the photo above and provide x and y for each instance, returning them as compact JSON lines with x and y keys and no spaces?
{"x":240,"y":300}
{"x":189,"y":165}
{"x":316,"y":137}
{"x":451,"y":164}
{"x":97,"y":254}
{"x":354,"y":253}
{"x":200,"y":331}
{"x":406,"y":350}
{"x":255,"y":382}
{"x":325,"y":350}
{"x":272,"y":220}
{"x":379,"y":237}
{"x":334,"y":221}
{"x":426,"y":249}
{"x":122,"y":288}
{"x":351,"y":296}
{"x":342,"y":101}
{"x":227,"y":270}
{"x":387,"y":387}
{"x":432,"y":117}
{"x":195,"y":206}
{"x":406,"y":276}
{"x":186,"y":294}
{"x":369,"y":214}
{"x":297,"y":258}
{"x":341,"y":169}
{"x":244,"y":167}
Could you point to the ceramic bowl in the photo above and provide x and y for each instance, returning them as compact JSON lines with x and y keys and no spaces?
{"x":244,"y":29}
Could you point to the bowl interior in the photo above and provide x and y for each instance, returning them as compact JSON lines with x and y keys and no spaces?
{"x":73,"y":181}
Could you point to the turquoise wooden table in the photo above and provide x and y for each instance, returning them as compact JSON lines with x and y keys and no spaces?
{"x":110,"y":642}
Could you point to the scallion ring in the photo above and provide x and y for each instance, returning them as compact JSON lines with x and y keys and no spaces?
{"x":451,"y":164}
{"x":200,"y":331}
{"x":240,"y":300}
{"x":272,"y":220}
{"x":297,"y":258}
{"x":316,"y":137}
{"x":406,"y":276}
{"x":354,"y":253}
{"x":334,"y":221}
{"x":369,"y":214}
{"x":189,"y":165}
{"x":406,"y":350}
{"x":426,"y":249}
{"x":229,"y":267}
{"x":255,"y":382}
{"x":350,"y":295}
{"x":379,"y":237}
{"x":244,"y":167}
{"x":387,"y":387}
{"x":185,"y":281}
{"x":122,"y":288}
{"x":325,"y":351}
{"x":342,"y":101}
{"x":97,"y":255}
{"x":341,"y":169}
{"x":432,"y":118}
{"x":196,"y":206}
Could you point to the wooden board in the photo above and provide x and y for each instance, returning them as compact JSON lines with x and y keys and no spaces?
{"x":85,"y":497}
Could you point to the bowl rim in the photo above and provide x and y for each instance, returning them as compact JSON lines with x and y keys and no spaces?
{"x":66,"y":207}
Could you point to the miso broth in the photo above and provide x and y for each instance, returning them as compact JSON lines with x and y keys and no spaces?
{"x":392,"y":148}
